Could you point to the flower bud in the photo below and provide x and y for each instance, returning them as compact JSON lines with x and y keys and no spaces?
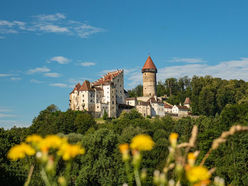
{"x":62,"y":181}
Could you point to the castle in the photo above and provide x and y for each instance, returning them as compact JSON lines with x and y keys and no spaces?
{"x":107,"y":94}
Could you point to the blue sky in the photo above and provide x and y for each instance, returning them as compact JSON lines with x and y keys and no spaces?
{"x":46,"y":46}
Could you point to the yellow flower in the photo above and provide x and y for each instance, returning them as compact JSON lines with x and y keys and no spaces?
{"x":197,"y":174}
{"x":20,"y":151}
{"x":51,"y":141}
{"x":68,"y":151}
{"x":123,"y":148}
{"x":191,"y":156}
{"x":173,"y":138}
{"x":34,"y":139}
{"x":142,"y":142}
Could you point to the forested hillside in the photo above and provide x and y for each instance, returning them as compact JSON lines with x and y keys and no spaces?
{"x":102,"y":163}
{"x":208,"y":95}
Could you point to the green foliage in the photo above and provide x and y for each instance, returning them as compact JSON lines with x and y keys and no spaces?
{"x":102,"y":164}
{"x":105,"y":115}
{"x":136,"y":92}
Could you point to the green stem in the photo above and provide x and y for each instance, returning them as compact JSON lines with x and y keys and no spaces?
{"x":29,"y":175}
{"x":129,"y":176}
{"x":137,"y":177}
{"x":44,"y":177}
{"x":67,"y":172}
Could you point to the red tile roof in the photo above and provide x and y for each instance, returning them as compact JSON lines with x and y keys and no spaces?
{"x":167,"y":105}
{"x":187,"y":101}
{"x":149,"y":65}
{"x":77,"y":87}
{"x":107,"y":78}
{"x":182,"y":107}
{"x":85,"y":86}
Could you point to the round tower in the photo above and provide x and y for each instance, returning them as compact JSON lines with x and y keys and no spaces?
{"x":149,"y":71}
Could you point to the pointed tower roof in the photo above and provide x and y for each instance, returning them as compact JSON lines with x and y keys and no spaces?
{"x":187,"y":100}
{"x":85,"y":86}
{"x":149,"y":66}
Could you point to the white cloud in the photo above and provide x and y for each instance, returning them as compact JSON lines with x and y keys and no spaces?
{"x":49,"y":23}
{"x":234,"y":69}
{"x":15,"y":78}
{"x":38,"y":70}
{"x":87,"y":64}
{"x":53,"y":28}
{"x":187,"y":60}
{"x":61,"y":85}
{"x":84,"y":30}
{"x":6,"y":75}
{"x":5,"y":113}
{"x":2,"y":37}
{"x":36,"y":81}
{"x":51,"y":17}
{"x":60,"y":59}
{"x":52,"y":74}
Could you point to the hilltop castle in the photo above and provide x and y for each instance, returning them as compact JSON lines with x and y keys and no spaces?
{"x":107,"y":94}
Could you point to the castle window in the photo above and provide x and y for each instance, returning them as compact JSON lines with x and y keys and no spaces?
{"x":120,"y":85}
{"x":113,"y":102}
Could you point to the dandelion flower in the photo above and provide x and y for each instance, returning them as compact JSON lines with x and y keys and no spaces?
{"x":142,"y":142}
{"x":123,"y":148}
{"x":34,"y":139}
{"x":51,"y":141}
{"x":68,"y":151}
{"x":197,"y":174}
{"x":20,"y":151}
{"x":173,"y":138}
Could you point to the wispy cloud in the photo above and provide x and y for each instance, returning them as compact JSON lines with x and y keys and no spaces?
{"x":38,"y":70}
{"x":6,"y":113}
{"x":49,"y":23}
{"x":51,"y":17}
{"x":61,"y":85}
{"x":233,"y":69}
{"x":53,"y":28}
{"x":36,"y":81}
{"x":60,"y":60}
{"x":2,"y":109}
{"x":187,"y":60}
{"x":15,"y":78}
{"x":87,"y":64}
{"x":6,"y":75}
{"x":52,"y":74}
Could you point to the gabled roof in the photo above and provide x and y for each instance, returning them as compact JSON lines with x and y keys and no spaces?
{"x":187,"y":100}
{"x":182,"y":107}
{"x":167,"y":105}
{"x":85,"y":86}
{"x":77,"y":87}
{"x":149,"y":65}
{"x":106,"y":79}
